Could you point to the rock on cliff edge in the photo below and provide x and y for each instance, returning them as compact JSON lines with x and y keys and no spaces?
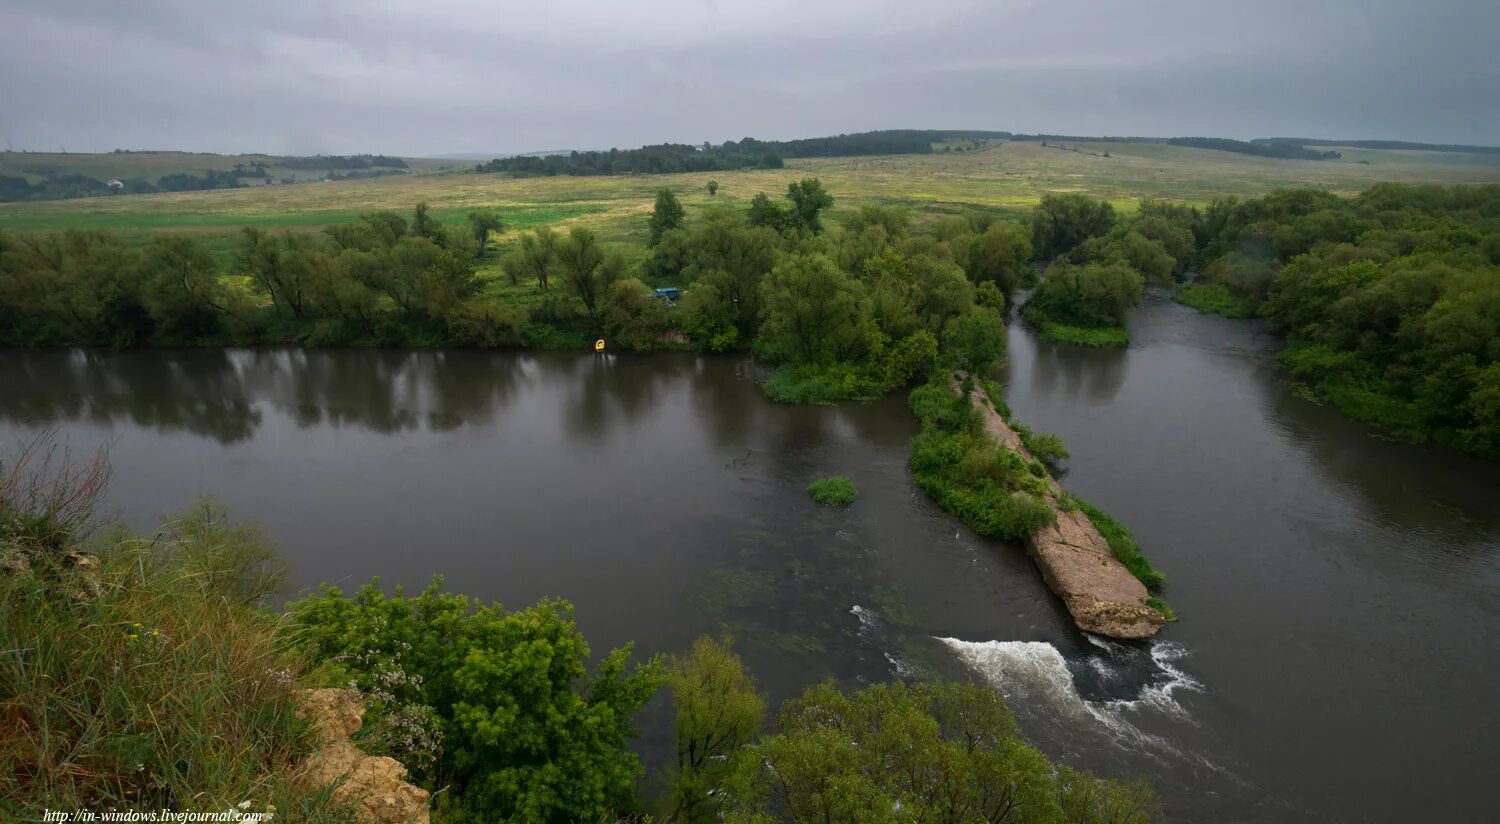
{"x":375,"y":786}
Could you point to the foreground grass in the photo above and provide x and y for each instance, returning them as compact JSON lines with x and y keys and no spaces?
{"x":833,"y":490}
{"x":1214,"y":299}
{"x":1085,"y":335}
{"x":151,"y":682}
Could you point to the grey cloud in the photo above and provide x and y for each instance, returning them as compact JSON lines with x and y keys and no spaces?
{"x":455,"y":76}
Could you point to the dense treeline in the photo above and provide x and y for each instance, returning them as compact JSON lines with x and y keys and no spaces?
{"x":748,"y":153}
{"x":342,"y":162}
{"x":1390,"y":301}
{"x":663,"y":159}
{"x":853,"y":313}
{"x":1282,"y":149}
{"x":499,"y":713}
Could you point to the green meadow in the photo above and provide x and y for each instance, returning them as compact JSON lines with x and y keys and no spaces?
{"x":996,"y":177}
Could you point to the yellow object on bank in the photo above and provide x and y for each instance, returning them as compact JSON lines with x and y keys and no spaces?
{"x":599,"y":345}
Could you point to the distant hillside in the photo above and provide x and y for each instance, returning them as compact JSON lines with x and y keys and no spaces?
{"x":28,"y":176}
{"x":1378,"y":144}
{"x":1279,"y":150}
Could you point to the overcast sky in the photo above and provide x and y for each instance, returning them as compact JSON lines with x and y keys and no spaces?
{"x":450,"y":76}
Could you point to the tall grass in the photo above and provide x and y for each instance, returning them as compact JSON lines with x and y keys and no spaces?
{"x":145,"y":678}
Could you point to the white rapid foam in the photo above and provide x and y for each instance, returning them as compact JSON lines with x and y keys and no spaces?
{"x":867,"y":620}
{"x":1034,"y":674}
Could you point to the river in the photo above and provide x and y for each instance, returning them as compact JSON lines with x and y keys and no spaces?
{"x":1338,"y":592}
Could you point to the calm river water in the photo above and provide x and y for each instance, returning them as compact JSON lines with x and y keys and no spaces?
{"x":1339,"y":593}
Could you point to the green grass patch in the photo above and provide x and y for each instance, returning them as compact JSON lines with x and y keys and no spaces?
{"x":989,"y":487}
{"x":1214,"y":299}
{"x":833,"y":490}
{"x":1085,"y":335}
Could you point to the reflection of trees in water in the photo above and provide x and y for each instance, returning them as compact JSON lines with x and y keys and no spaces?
{"x":1077,"y":373}
{"x":727,"y":397}
{"x":197,"y":391}
{"x":214,"y":392}
{"x":1431,"y":490}
{"x":605,"y":390}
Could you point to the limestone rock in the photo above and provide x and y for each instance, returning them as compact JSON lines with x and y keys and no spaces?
{"x":1075,"y":560}
{"x":375,"y":785}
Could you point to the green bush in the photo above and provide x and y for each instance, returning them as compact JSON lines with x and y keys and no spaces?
{"x":834,"y":490}
{"x":987,"y":486}
{"x":521,"y":733}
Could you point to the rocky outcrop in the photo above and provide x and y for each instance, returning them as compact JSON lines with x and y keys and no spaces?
{"x":375,"y":786}
{"x":1075,"y":560}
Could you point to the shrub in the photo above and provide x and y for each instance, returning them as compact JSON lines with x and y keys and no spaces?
{"x":525,"y":735}
{"x":834,"y":490}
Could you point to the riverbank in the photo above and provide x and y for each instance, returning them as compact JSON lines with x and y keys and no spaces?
{"x":1103,"y":595}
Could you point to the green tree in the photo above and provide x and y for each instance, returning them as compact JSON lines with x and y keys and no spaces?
{"x":1061,"y":222}
{"x":667,"y":214}
{"x":809,"y":200}
{"x":535,"y":257}
{"x":768,"y":213}
{"x":423,"y":225}
{"x":182,"y":289}
{"x":1000,"y":255}
{"x":278,"y":266}
{"x":632,"y":315}
{"x":718,"y":711}
{"x":713,"y":188}
{"x":1095,"y":295}
{"x":940,"y":752}
{"x":586,"y":268}
{"x":812,"y":311}
{"x":484,"y":224}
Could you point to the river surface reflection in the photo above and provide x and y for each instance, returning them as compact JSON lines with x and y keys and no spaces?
{"x":1338,"y":592}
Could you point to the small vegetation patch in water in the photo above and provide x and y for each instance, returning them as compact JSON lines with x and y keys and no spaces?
{"x":1085,"y":335}
{"x":834,"y":490}
{"x":1214,"y":299}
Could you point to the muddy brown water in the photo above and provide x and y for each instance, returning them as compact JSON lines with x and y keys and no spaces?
{"x":1339,"y":593}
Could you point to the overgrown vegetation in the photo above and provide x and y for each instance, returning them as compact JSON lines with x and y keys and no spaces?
{"x":924,"y":752}
{"x":833,"y":490}
{"x":989,"y":487}
{"x":146,"y":676}
{"x":153,"y":677}
{"x":496,"y":708}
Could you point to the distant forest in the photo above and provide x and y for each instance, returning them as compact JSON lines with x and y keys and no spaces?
{"x":57,"y":185}
{"x":748,"y":153}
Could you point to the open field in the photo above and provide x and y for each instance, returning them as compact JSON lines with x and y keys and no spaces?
{"x":1001,"y":177}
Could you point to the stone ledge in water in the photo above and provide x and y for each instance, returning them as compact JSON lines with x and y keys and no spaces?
{"x":1075,"y":560}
